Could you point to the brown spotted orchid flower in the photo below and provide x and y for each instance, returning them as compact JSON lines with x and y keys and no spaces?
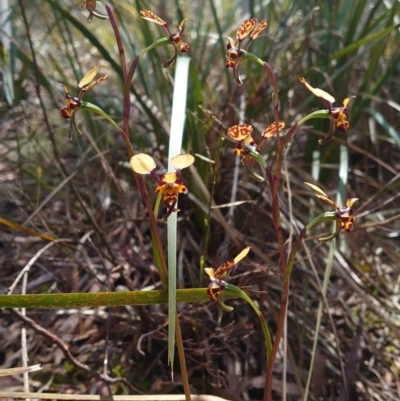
{"x":73,"y":103}
{"x":218,"y":276}
{"x":174,"y":38}
{"x":170,"y":184}
{"x":338,"y":115}
{"x":235,"y":50}
{"x":344,"y":215}
{"x":247,"y":146}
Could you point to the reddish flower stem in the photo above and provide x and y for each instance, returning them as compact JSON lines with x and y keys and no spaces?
{"x":275,"y":101}
{"x":282,"y":315}
{"x":118,"y":39}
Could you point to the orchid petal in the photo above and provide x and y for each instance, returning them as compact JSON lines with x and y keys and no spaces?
{"x":150,"y":16}
{"x":245,"y":28}
{"x":182,"y":161}
{"x":142,"y":163}
{"x":318,"y":92}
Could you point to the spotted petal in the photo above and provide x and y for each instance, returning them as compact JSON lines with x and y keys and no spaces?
{"x":150,"y":16}
{"x":239,"y":132}
{"x":258,"y":29}
{"x":226,"y":267}
{"x":90,"y":86}
{"x":271,"y":129}
{"x":245,"y":28}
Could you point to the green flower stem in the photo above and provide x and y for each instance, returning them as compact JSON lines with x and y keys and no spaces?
{"x":94,"y":300}
{"x":327,"y":216}
{"x":158,"y":43}
{"x":252,"y":57}
{"x":315,"y":114}
{"x":95,"y":109}
{"x":241,"y":294}
{"x":256,"y":156}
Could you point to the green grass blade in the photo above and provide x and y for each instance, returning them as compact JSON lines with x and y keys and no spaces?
{"x":381,"y":120}
{"x":327,"y":276}
{"x":175,"y":148}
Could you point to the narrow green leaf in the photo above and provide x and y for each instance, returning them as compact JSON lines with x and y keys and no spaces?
{"x":379,"y":118}
{"x":363,"y":41}
{"x":175,"y":147}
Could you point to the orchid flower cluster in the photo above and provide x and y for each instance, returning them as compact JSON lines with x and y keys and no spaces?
{"x":170,"y":184}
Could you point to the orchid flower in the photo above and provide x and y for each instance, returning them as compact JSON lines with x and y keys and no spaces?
{"x":338,"y":115}
{"x":247,"y":146}
{"x":344,"y":215}
{"x":74,"y":103}
{"x":217,"y":278}
{"x":170,"y":184}
{"x":235,"y":52}
{"x":174,"y":38}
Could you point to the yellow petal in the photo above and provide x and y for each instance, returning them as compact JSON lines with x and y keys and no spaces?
{"x":182,"y":161}
{"x":316,"y":189}
{"x":169,"y":178}
{"x":242,"y":255}
{"x":210,"y":272}
{"x":150,"y":16}
{"x":66,"y":89}
{"x":318,"y":92}
{"x":347,"y":100}
{"x":350,"y":202}
{"x":232,"y":43}
{"x":182,"y":24}
{"x":88,"y":77}
{"x":142,"y":163}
